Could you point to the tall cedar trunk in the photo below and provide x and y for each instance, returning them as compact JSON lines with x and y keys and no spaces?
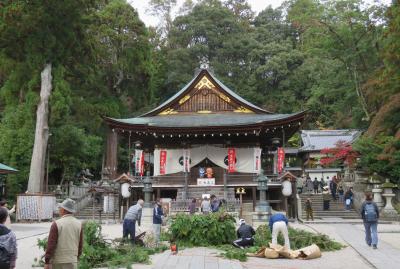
{"x":37,"y":171}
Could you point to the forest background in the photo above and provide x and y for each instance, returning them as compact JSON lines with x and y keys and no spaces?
{"x":340,"y":60}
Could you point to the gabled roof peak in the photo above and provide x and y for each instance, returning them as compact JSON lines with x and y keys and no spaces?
{"x":205,"y":94}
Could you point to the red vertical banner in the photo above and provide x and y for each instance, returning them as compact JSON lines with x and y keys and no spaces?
{"x":231,"y":160}
{"x":163,"y":161}
{"x":281,"y":160}
{"x":139,"y":162}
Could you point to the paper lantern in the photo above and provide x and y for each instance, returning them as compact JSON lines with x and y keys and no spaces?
{"x":125,"y":190}
{"x":286,"y":188}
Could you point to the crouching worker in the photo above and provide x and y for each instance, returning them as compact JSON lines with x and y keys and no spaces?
{"x":278,"y":223}
{"x":245,"y":234}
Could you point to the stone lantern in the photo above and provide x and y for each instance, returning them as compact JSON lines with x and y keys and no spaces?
{"x":376,"y":181}
{"x":262,"y":187}
{"x":388,"y":210}
{"x":147,"y":189}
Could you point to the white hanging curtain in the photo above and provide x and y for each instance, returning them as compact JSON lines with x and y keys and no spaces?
{"x":246,"y":158}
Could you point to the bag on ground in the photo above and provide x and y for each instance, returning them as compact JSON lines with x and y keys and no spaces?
{"x":310,"y":252}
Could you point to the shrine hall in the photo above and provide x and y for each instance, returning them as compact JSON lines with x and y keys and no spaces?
{"x":205,"y":139}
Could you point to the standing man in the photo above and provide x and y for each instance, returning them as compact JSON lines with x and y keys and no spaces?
{"x":278,"y":223}
{"x":133,"y":215}
{"x":315,"y":184}
{"x":333,"y":187}
{"x":245,"y":234}
{"x":157,"y":220}
{"x":309,"y":210}
{"x":370,"y":216}
{"x":205,"y":206}
{"x":215,"y":203}
{"x":8,"y":242}
{"x":326,"y":198}
{"x":64,"y":245}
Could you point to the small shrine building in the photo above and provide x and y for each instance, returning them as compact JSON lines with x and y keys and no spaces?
{"x":204,"y":139}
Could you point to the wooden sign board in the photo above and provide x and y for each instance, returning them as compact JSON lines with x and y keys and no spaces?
{"x":35,"y":206}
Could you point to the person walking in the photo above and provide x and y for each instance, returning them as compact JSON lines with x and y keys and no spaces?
{"x":64,"y":244}
{"x":157,"y":220}
{"x":309,"y":210}
{"x":245,"y":234}
{"x":278,"y":224}
{"x":192,"y":207}
{"x":348,"y":198}
{"x":340,"y":191}
{"x":133,"y":215}
{"x":3,"y":203}
{"x":205,"y":206}
{"x":322,"y":184}
{"x":315,"y":184}
{"x":8,"y":242}
{"x":370,"y":216}
{"x":326,"y":198}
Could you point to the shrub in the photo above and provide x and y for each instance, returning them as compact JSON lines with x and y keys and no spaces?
{"x":97,"y":252}
{"x":203,"y":230}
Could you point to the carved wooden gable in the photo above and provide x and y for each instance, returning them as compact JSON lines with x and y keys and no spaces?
{"x":205,"y":96}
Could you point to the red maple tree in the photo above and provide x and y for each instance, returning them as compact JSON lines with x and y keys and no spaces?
{"x":342,"y":153}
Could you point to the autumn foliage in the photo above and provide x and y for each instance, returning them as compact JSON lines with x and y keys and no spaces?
{"x":343,"y":153}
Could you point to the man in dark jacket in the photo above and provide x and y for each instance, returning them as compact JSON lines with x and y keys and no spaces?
{"x":348,"y":198}
{"x":8,"y":242}
{"x":157,"y":220}
{"x":278,"y":223}
{"x":245,"y":234}
{"x":370,"y":216}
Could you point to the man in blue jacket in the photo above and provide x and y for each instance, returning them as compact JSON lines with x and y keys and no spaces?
{"x":157,"y":220}
{"x":278,"y":223}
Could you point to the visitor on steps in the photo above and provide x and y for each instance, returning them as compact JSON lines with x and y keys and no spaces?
{"x":316,"y":184}
{"x":8,"y":242}
{"x":245,"y":234}
{"x":64,"y":245}
{"x":205,"y":206}
{"x":299,"y":185}
{"x":278,"y":223}
{"x":348,"y":198}
{"x":192,"y":206}
{"x":157,"y":220}
{"x":309,"y":210}
{"x":322,"y":184}
{"x":326,"y":198}
{"x":333,"y":187}
{"x":370,"y":216}
{"x":309,"y":185}
{"x":133,"y":215}
{"x":340,"y":191}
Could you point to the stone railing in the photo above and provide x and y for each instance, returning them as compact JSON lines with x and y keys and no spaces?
{"x":232,"y":205}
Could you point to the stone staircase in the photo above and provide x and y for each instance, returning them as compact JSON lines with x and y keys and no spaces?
{"x":86,"y":213}
{"x":196,"y":192}
{"x":336,"y":208}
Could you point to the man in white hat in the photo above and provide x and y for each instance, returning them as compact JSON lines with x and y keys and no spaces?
{"x":64,"y":245}
{"x":245,"y":234}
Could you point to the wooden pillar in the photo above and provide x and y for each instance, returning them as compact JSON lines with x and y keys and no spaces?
{"x":111,"y":153}
{"x":225,"y":177}
{"x":158,"y":193}
{"x":254,"y":192}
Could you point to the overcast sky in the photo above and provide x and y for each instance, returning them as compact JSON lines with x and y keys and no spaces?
{"x":256,"y":5}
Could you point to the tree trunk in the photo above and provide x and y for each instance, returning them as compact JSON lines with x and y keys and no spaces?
{"x":37,"y":171}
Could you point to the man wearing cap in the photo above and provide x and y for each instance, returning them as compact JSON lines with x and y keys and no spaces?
{"x":245,"y":234}
{"x":133,"y":215}
{"x":64,"y":245}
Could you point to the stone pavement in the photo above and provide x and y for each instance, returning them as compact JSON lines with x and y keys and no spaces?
{"x":357,"y":254}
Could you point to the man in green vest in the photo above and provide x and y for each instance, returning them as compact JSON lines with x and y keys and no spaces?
{"x":64,"y":245}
